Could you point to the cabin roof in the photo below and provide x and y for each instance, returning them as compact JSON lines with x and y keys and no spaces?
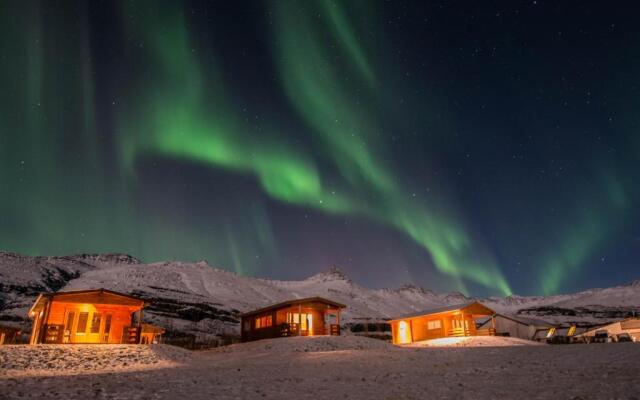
{"x":43,"y":298}
{"x":149,"y":328}
{"x":293,"y":302}
{"x":444,"y":309}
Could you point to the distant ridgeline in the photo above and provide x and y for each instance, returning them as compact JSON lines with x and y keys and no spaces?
{"x":198,"y":303}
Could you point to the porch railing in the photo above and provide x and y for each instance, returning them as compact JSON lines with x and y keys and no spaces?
{"x":53,"y":333}
{"x":486,"y":332}
{"x":293,"y":329}
{"x":131,"y":335}
{"x":468,"y":332}
{"x":459,"y":332}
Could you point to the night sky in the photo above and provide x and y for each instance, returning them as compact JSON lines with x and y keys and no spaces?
{"x":482,"y":146}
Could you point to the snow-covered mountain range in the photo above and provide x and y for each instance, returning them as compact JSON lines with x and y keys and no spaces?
{"x":199,"y":299}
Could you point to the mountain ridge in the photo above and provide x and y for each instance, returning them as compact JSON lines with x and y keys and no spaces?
{"x":196,"y":298}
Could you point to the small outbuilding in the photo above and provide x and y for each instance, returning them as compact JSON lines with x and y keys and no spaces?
{"x":313,"y":316}
{"x":89,"y":316}
{"x":9,"y":334}
{"x":519,"y":327}
{"x":448,"y":321}
{"x":629,"y":327}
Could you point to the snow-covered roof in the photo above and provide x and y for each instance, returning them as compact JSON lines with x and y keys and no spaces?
{"x":443,"y":309}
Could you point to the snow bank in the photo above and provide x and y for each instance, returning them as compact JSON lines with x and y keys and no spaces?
{"x":76,"y":359}
{"x":307,"y":344}
{"x":475,"y":341}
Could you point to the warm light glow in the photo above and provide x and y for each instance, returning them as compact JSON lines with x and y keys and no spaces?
{"x":85,"y":308}
{"x":310,"y":322}
{"x":551,"y":332}
{"x":572,"y":330}
{"x":448,"y":341}
{"x":403,"y":332}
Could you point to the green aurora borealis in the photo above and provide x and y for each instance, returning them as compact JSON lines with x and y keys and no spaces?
{"x":142,"y":127}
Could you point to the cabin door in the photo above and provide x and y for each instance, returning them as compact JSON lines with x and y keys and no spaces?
{"x":303,"y":321}
{"x":85,"y":327}
{"x":95,"y":328}
{"x":404,"y":332}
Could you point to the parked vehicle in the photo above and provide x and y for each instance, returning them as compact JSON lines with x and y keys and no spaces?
{"x":601,"y":336}
{"x":623,"y":337}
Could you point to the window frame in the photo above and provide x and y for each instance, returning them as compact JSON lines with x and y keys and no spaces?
{"x":83,"y":321}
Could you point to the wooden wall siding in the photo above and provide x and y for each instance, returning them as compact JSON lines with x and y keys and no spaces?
{"x":452,"y":323}
{"x":630,"y":324}
{"x":280,"y":325}
{"x":56,"y":321}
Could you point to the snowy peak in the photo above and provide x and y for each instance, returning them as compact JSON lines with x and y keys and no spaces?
{"x":332,"y":275}
{"x":411,"y":288}
{"x":108,"y":258}
{"x":454,"y":298}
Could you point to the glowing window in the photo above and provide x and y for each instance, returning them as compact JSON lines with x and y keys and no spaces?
{"x":434,"y":324}
{"x":264,"y":322}
{"x":83,"y":318}
{"x":95,"y":323}
{"x":70,"y":317}
{"x":305,"y":320}
{"x":107,"y":327}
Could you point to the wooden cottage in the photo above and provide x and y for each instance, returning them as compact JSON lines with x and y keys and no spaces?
{"x":311,"y":316}
{"x":89,"y":316}
{"x":456,"y":320}
{"x":9,"y":335}
{"x":519,"y":327}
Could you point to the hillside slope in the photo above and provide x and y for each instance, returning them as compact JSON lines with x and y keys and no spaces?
{"x":199,"y":299}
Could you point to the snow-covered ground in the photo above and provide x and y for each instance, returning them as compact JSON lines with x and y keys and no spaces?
{"x":339,"y":367}
{"x":475,"y":341}
{"x":43,"y":360}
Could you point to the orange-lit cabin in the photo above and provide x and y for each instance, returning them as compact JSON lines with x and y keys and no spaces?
{"x":90,"y":316}
{"x":313,"y":316}
{"x":456,"y":320}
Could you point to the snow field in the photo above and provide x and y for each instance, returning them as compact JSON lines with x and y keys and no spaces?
{"x":338,"y":367}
